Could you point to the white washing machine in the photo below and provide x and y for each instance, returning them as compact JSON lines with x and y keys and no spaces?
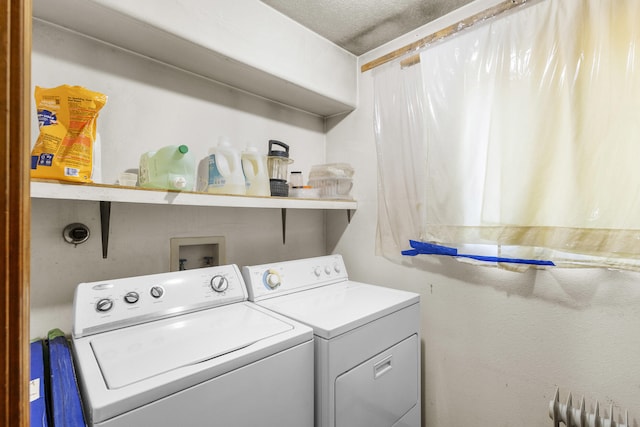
{"x":187,"y":349}
{"x":367,"y":340}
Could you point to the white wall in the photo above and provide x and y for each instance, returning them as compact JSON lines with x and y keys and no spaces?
{"x":495,"y":344}
{"x":151,"y":105}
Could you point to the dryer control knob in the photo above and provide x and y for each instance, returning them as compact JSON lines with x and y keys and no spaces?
{"x":219,"y":283}
{"x":273,"y":280}
{"x":103,"y":305}
{"x":131,"y":297}
{"x":336,"y":268}
{"x":156,"y":292}
{"x":327,"y":270}
{"x":317,"y":271}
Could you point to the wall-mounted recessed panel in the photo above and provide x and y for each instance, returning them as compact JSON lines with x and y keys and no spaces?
{"x":188,"y":253}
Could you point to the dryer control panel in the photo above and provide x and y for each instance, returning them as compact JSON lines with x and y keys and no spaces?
{"x":113,"y":304}
{"x":270,"y":280}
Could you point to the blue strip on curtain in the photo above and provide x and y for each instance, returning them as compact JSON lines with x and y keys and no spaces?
{"x":424,"y":248}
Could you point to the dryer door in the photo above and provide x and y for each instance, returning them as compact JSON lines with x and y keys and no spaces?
{"x":378,"y":392}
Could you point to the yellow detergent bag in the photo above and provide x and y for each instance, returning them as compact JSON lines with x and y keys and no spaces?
{"x":67,"y":117}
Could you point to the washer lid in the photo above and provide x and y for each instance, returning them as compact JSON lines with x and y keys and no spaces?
{"x":335,"y":309}
{"x":133,"y":354}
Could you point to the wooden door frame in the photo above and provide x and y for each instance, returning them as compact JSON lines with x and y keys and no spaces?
{"x":15,"y":210}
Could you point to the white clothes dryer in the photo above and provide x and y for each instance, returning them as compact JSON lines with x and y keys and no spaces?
{"x":366,"y":338}
{"x":187,"y":349}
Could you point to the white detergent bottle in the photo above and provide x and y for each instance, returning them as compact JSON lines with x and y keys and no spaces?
{"x":225,"y":170}
{"x":202,"y":175}
{"x":256,"y":175}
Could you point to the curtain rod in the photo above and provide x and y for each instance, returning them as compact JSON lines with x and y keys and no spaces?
{"x":444,"y":33}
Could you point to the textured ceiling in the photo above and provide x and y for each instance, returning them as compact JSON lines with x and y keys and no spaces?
{"x":361,"y":25}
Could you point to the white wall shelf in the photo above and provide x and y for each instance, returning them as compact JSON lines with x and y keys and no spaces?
{"x":105,"y":194}
{"x":113,"y":193}
{"x":244,"y":44}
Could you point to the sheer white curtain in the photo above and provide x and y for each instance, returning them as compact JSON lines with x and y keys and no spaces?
{"x":522,"y":134}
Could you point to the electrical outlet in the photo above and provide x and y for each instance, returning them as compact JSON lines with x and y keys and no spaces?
{"x":188,"y":253}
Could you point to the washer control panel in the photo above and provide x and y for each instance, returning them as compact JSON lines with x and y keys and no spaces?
{"x":112,"y":304}
{"x":269,"y":280}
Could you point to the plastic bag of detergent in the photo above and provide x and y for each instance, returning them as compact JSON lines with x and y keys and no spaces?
{"x":67,"y":118}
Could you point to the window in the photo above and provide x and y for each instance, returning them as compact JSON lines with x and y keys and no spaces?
{"x":520,"y":137}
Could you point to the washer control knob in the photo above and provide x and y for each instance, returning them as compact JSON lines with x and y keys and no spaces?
{"x":336,"y":268}
{"x":327,"y":270}
{"x":273,"y":280}
{"x":131,"y":297}
{"x":219,"y":283}
{"x":104,"y":304}
{"x":317,"y":271}
{"x":157,"y":292}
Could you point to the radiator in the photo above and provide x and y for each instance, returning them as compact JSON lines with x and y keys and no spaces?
{"x":579,"y":417}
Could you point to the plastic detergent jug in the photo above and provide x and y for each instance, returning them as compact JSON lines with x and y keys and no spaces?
{"x":256,"y":175}
{"x":171,"y":167}
{"x":225,"y":170}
